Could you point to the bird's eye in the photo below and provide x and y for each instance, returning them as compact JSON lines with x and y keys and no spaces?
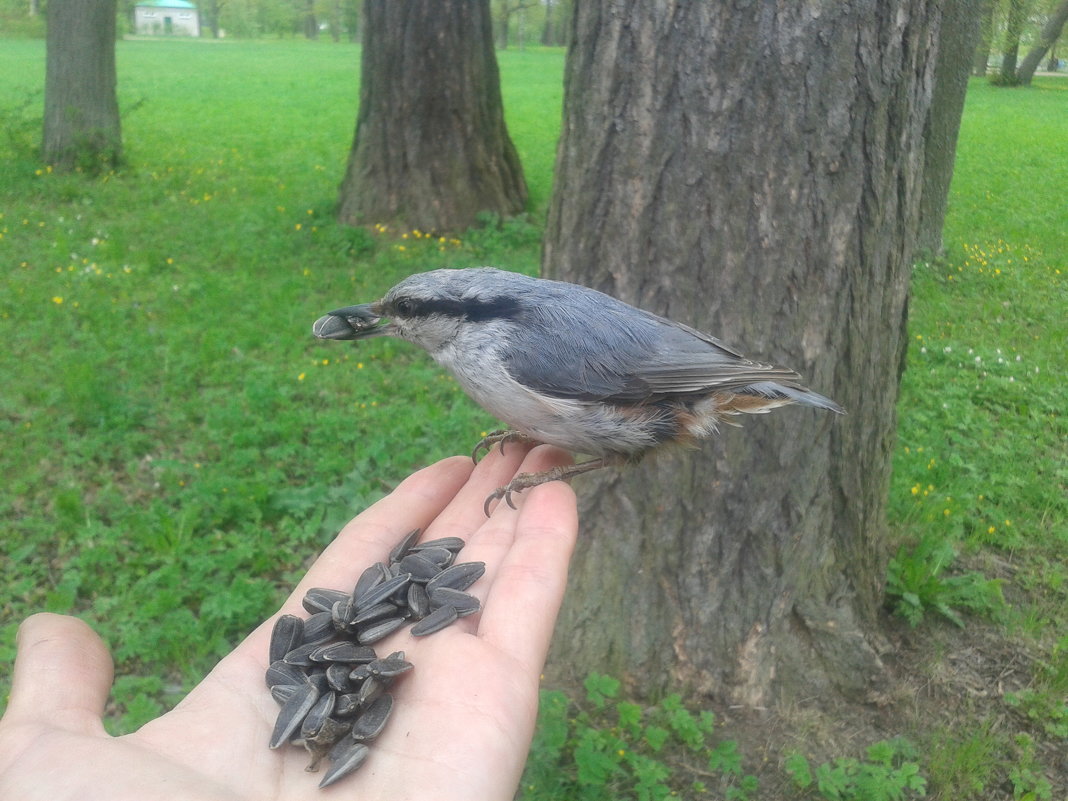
{"x":404,"y":306}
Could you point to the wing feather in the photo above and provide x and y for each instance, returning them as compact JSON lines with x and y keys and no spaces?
{"x":622,"y":354}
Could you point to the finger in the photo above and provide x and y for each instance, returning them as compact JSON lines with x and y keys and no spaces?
{"x":466,"y":514}
{"x":494,"y":541}
{"x":63,"y":674}
{"x":528,"y":586}
{"x":369,"y":536}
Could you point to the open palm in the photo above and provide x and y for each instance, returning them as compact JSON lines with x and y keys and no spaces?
{"x":464,"y":716}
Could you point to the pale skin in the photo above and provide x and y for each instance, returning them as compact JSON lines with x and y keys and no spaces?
{"x":463,"y":718}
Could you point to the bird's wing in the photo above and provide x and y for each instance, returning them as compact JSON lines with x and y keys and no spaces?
{"x":618,"y":356}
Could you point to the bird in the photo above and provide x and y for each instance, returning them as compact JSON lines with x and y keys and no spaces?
{"x":570,"y":366}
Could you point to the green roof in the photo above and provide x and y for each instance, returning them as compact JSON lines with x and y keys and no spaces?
{"x":167,"y":4}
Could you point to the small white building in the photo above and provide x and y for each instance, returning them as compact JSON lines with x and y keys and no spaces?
{"x":166,"y":18}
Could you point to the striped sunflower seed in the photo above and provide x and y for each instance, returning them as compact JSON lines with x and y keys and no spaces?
{"x":287,"y":634}
{"x":457,"y":577}
{"x":344,"y":761}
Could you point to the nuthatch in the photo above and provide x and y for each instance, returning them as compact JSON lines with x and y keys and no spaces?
{"x":570,"y":366}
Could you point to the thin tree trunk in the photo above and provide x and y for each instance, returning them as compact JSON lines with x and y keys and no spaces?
{"x":986,"y":37}
{"x":431,"y":149}
{"x":1051,"y":31}
{"x":755,"y":172}
{"x":1013,"y":27}
{"x":81,"y":118}
{"x":957,"y":43}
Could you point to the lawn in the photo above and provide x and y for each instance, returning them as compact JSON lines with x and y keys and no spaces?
{"x":177,"y":446}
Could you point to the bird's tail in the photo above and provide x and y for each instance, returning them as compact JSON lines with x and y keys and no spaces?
{"x":792,"y":393}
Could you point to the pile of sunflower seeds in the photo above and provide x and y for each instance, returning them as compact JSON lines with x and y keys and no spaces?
{"x":324,"y":673}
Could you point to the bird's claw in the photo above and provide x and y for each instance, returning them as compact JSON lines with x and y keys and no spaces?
{"x":500,"y":436}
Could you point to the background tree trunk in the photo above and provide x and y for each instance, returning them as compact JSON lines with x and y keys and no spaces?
{"x":986,"y":36}
{"x":431,"y":148}
{"x":1013,"y":28}
{"x":1051,"y":31}
{"x":81,"y":115}
{"x":958,"y":36}
{"x":753,"y":171}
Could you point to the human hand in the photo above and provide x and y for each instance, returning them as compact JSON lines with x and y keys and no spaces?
{"x":464,"y":717}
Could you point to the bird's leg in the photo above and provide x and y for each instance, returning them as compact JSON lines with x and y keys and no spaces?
{"x":527,"y":480}
{"x":501,"y":436}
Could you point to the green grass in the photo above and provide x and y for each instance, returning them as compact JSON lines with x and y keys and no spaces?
{"x":169,"y":424}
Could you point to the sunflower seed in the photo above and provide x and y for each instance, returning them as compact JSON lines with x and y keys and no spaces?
{"x":343,"y":651}
{"x":370,"y":724}
{"x":342,"y":612}
{"x":371,"y":577}
{"x":319,"y":628}
{"x":320,"y":599}
{"x":380,"y":630}
{"x":422,"y":570}
{"x":347,"y":705}
{"x":287,"y":634}
{"x":418,"y":601}
{"x":442,"y":557}
{"x":317,"y":715}
{"x":381,"y":592}
{"x":345,"y":761}
{"x":435,"y":621}
{"x":281,"y":692}
{"x":465,"y":604}
{"x":377,"y":612}
{"x":292,"y":713}
{"x":389,"y":667}
{"x":281,"y":672}
{"x":400,"y":550}
{"x":370,"y":690}
{"x":337,"y":676}
{"x":457,"y":577}
{"x":454,"y":544}
{"x":360,"y":673}
{"x":300,"y":656}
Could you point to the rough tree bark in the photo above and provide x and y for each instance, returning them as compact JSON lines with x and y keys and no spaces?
{"x":958,"y":36}
{"x":81,"y":115}
{"x":754,"y":170}
{"x":1051,"y":31}
{"x":431,"y":149}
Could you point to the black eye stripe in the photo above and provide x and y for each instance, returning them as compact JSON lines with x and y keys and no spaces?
{"x":473,"y":310}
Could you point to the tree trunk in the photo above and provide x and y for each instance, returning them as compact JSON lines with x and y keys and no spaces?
{"x":81,"y":117}
{"x":431,"y":149}
{"x":1013,"y":27}
{"x":986,"y":36}
{"x":958,"y":34}
{"x":753,"y":170}
{"x":311,"y":24}
{"x":1051,"y":31}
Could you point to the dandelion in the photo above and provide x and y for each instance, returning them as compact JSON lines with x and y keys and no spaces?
{"x":300,"y":377}
{"x":991,"y":530}
{"x":57,"y":299}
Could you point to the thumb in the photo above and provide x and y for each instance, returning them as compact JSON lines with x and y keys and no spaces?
{"x":63,"y":674}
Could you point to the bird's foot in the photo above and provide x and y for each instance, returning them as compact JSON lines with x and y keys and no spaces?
{"x":525,"y":481}
{"x":500,"y":436}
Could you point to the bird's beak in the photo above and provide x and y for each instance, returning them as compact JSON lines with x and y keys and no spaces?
{"x":352,"y":322}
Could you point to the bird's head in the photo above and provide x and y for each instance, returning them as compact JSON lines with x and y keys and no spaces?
{"x":430,"y":309}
